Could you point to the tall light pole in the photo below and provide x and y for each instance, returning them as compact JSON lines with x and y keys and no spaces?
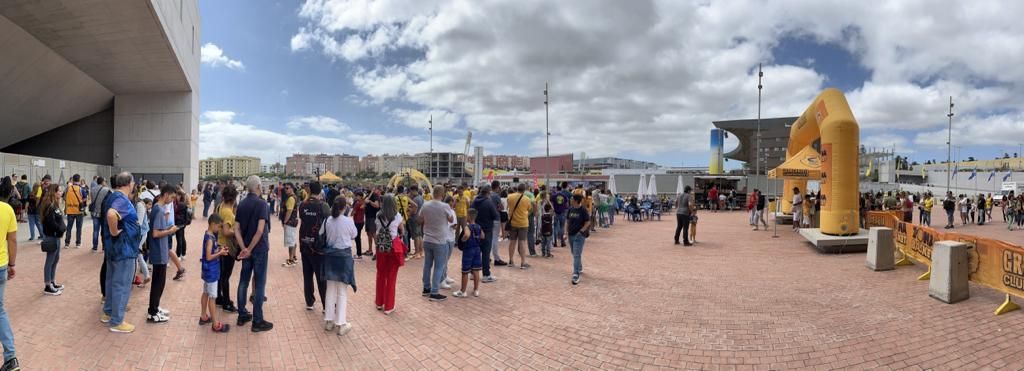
{"x":757,"y":161}
{"x":949,"y":148}
{"x":547,"y":139}
{"x":430,"y":159}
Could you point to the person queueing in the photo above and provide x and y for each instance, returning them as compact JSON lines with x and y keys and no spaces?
{"x":435,"y":221}
{"x":226,"y":239}
{"x":99,"y":193}
{"x":74,"y":204}
{"x":162,"y":228}
{"x":487,"y":217}
{"x":470,"y":238}
{"x":312,"y":214}
{"x":252,"y":228}
{"x":370,"y":215}
{"x":211,"y":256}
{"x":578,"y":223}
{"x":290,"y":221}
{"x":389,"y":226}
{"x":53,"y":229}
{"x":684,"y":210}
{"x":121,"y":235}
{"x":339,"y":270}
{"x":8,"y":256}
{"x":520,"y":208}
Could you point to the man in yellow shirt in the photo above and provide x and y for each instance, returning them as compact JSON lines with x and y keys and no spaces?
{"x":8,"y":254}
{"x":519,"y":207}
{"x":461,"y":205}
{"x":926,"y":209}
{"x":73,"y":206}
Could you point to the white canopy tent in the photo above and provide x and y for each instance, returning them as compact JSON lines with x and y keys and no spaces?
{"x":679,"y":186}
{"x":642,"y":189}
{"x":652,"y":187}
{"x":611,"y":185}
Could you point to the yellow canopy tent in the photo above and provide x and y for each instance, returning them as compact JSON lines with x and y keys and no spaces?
{"x":329,"y":177}
{"x":806,"y":165}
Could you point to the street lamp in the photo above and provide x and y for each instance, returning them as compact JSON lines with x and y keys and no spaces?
{"x":949,"y":148}
{"x":430,"y":159}
{"x":757,"y":158}
{"x":547,"y":138}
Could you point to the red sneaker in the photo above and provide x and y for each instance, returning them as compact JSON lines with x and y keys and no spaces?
{"x":138,"y":280}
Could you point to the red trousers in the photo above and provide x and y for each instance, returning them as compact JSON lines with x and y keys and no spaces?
{"x":387,"y":275}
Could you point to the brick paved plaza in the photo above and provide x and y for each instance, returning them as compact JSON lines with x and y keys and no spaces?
{"x":739,"y":299}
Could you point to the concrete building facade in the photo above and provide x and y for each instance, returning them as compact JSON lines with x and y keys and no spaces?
{"x":110,"y":82}
{"x":774,"y":141}
{"x":599,"y":163}
{"x":234,"y":166}
{"x":388,"y":163}
{"x":310,"y":164}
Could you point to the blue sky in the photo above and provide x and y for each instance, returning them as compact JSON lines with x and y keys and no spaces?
{"x":643,"y":81}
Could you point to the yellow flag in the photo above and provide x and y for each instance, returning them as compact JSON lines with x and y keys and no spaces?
{"x":870,"y":165}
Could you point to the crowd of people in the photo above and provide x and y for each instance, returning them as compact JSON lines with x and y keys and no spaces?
{"x":140,"y":229}
{"x":972,"y":209}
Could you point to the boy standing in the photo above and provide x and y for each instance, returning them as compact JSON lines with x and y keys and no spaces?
{"x":211,"y":274}
{"x":546,"y":230}
{"x":159,"y":244}
{"x":470,"y":238}
{"x":578,"y":226}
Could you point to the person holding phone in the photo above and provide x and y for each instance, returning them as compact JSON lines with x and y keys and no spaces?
{"x":161,"y":230}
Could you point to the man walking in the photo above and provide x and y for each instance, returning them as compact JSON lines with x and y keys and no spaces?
{"x":683,"y":212}
{"x":73,"y":205}
{"x":560,"y":201}
{"x":252,"y":228}
{"x":435,"y":219}
{"x":99,"y":194}
{"x":759,"y":203}
{"x":578,"y":228}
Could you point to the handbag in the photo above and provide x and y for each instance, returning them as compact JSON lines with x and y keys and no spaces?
{"x":50,"y":244}
{"x":398,"y":248}
{"x":320,"y":244}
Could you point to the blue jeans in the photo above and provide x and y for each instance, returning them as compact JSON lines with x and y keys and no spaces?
{"x":33,"y":223}
{"x":531,"y":235}
{"x":50,"y":267}
{"x":6,"y":334}
{"x":74,"y":220}
{"x":447,"y":258}
{"x":485,"y":251}
{"x":253,"y":267}
{"x":576,"y":244}
{"x":96,"y":233}
{"x":120,"y":274}
{"x":206,"y":209}
{"x":434,"y":265}
{"x":611,"y":216}
{"x":559,"y":227}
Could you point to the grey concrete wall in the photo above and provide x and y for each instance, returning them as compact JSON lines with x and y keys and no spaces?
{"x":181,"y":24}
{"x":158,"y":134}
{"x":41,"y":90}
{"x":37,"y":166}
{"x":90,"y":140}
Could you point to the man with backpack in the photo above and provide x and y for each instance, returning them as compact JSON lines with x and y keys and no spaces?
{"x":312,"y":213}
{"x":99,"y":194}
{"x":74,"y":205}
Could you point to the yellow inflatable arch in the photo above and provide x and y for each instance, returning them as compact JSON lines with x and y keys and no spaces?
{"x":830,"y":119}
{"x":415,"y":176}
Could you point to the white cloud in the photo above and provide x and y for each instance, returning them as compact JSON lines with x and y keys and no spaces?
{"x":214,"y":56}
{"x":649,"y":76}
{"x":1001,"y":132}
{"x":322,"y":124}
{"x":221,"y":134}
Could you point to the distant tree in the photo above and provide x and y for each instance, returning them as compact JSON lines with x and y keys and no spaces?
{"x":914,"y":163}
{"x":929,"y":162}
{"x":970,"y":158}
{"x":1006,"y":155}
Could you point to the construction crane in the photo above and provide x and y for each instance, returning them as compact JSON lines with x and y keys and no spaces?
{"x":465,"y":154}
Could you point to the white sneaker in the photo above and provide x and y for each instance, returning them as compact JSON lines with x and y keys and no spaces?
{"x":328,"y":325}
{"x":344,"y":329}
{"x":163,"y":311}
{"x":157,"y":318}
{"x":445,"y":285}
{"x":459,"y":294}
{"x":476,"y":293}
{"x":449,"y":280}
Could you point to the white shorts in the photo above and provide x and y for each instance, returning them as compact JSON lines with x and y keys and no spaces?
{"x":210,"y":289}
{"x":291,"y":236}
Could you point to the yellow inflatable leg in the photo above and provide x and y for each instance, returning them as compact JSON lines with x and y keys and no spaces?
{"x":904,"y":260}
{"x":1008,"y":306}
{"x":926,"y":276}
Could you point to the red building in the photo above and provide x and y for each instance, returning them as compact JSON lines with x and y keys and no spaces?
{"x":552,"y":164}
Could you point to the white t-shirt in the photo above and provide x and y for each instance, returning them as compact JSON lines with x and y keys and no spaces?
{"x":340,"y":232}
{"x":393,"y":228}
{"x":798,"y":202}
{"x":150,"y":194}
{"x":451,"y":225}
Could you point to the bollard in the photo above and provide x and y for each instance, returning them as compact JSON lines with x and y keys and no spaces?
{"x":880,"y":249}
{"x":948,"y":282}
